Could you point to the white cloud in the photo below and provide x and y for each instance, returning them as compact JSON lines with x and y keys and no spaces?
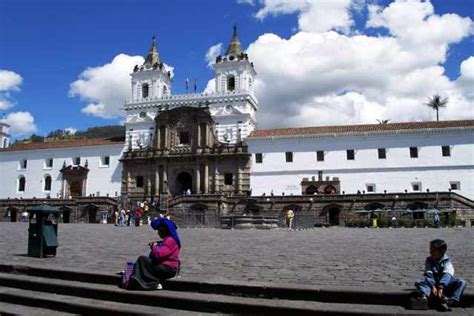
{"x":212,"y":53}
{"x":318,"y":77}
{"x":106,"y":87}
{"x":4,"y":103}
{"x":210,"y":87}
{"x":71,"y":130}
{"x":21,"y":123}
{"x":9,"y":80}
{"x":97,"y":110}
{"x":465,"y":82}
{"x":314,"y":15}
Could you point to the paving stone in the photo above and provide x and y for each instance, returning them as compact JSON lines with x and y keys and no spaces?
{"x":330,"y":256}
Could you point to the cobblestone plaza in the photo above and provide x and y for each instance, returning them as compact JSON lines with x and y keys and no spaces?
{"x":320,"y":257}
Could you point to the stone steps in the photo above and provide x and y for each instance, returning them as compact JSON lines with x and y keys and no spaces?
{"x":192,"y":296}
{"x":28,"y":302}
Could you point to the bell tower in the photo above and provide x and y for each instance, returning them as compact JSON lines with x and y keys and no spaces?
{"x":234,"y":71}
{"x":4,"y":136}
{"x":151,"y":80}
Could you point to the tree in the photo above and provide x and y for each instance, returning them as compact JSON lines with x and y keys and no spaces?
{"x":437,"y":102}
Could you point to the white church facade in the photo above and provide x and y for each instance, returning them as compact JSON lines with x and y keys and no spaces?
{"x":207,"y":145}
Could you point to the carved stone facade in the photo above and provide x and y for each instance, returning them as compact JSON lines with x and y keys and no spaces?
{"x":185,"y":158}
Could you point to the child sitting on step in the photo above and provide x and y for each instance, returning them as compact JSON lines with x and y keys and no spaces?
{"x":439,"y":284}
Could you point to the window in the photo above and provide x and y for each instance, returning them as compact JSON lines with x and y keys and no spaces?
{"x":231,"y":83}
{"x":145,"y":90}
{"x":21,"y":184}
{"x":139,"y":181}
{"x":320,"y":155}
{"x":258,"y":158}
{"x":183,"y":138}
{"x":455,"y":185}
{"x":382,"y":153}
{"x":47,"y":183}
{"x":23,"y":164}
{"x":350,"y":154}
{"x":105,"y":161}
{"x":370,"y":187}
{"x":76,"y":161}
{"x":414,"y":152}
{"x":416,"y":186}
{"x":48,"y":163}
{"x":228,"y":178}
{"x":289,"y":156}
{"x":446,"y":151}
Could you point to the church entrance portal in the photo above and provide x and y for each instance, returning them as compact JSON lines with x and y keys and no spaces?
{"x":334,"y":216}
{"x":13,"y":215}
{"x":184,"y":182}
{"x":76,"y":188}
{"x":312,"y":189}
{"x":92,"y":214}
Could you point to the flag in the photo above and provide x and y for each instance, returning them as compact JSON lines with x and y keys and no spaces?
{"x":195,"y":85}
{"x":187,"y":83}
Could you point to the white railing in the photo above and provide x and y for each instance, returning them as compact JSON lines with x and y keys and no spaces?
{"x":186,"y":97}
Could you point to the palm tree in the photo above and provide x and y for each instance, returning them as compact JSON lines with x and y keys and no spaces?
{"x":436,"y":102}
{"x":383,"y":121}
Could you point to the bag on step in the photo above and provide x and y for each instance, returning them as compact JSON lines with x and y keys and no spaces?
{"x":126,"y":274}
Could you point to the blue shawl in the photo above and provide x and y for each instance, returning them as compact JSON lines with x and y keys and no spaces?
{"x":171,"y":228}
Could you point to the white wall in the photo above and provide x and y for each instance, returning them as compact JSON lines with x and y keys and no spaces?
{"x":105,"y":180}
{"x":394,"y":174}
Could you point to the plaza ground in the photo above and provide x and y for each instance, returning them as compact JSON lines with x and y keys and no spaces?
{"x":320,"y":257}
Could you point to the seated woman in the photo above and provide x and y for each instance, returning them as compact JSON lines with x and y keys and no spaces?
{"x":163,"y":261}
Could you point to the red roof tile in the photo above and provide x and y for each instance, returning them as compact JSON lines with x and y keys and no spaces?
{"x":64,"y":144}
{"x":362,"y":128}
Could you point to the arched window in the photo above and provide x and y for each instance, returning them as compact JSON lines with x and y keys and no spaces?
{"x":47,"y":183}
{"x":21,"y":184}
{"x":5,"y":143}
{"x":165,"y":91}
{"x":250,"y":83}
{"x":145,"y":90}
{"x":231,"y":83}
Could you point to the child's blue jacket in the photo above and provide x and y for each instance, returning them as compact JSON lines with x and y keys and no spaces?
{"x":439,"y":273}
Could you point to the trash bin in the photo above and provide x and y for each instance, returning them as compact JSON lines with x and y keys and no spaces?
{"x":43,"y":231}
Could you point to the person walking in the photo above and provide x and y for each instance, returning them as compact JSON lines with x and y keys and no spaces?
{"x":289,"y":218}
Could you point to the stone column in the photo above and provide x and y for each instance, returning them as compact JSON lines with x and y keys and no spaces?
{"x":214,"y":177}
{"x":129,"y":180}
{"x":148,"y":184}
{"x":206,"y":135}
{"x":157,"y":179}
{"x":157,"y":137}
{"x":197,"y":181}
{"x":198,"y":143}
{"x":206,"y":178}
{"x":165,"y":180}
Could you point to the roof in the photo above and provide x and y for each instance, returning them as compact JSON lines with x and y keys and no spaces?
{"x":234,"y":46}
{"x":361,"y":128}
{"x":65,"y":144}
{"x":152,"y":57}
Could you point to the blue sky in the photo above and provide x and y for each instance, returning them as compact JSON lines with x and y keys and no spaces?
{"x":49,"y":43}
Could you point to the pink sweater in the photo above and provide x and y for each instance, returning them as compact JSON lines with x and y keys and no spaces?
{"x":168,"y":253}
